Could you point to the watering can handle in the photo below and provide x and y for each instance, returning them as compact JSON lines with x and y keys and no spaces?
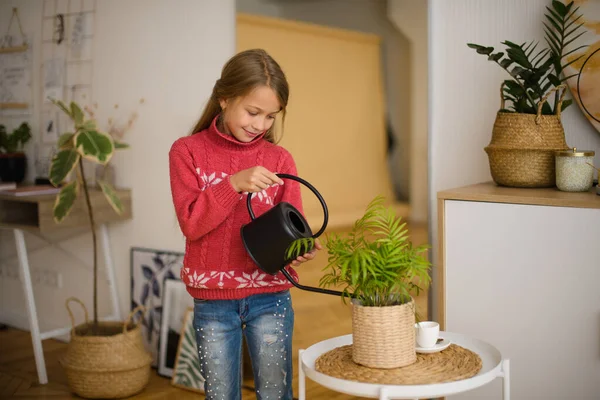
{"x":308,"y":185}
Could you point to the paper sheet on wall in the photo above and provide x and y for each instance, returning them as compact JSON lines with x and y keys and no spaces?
{"x":15,"y":77}
{"x":54,"y":72}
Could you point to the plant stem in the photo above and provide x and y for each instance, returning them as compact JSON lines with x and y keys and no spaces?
{"x":93,"y":226}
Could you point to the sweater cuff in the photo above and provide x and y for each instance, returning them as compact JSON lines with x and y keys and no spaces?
{"x":225,"y":194}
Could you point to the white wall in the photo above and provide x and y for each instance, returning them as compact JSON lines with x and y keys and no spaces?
{"x":170,"y":54}
{"x":410,"y":18}
{"x":464,"y":88}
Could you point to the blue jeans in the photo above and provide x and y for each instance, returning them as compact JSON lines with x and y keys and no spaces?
{"x":267,"y":321}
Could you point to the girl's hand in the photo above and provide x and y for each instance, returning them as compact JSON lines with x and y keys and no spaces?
{"x":308,"y":256}
{"x":253,"y":180}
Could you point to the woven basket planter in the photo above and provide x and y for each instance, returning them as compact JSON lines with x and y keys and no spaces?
{"x":113,"y":364}
{"x":521,"y":152}
{"x":383,"y":337}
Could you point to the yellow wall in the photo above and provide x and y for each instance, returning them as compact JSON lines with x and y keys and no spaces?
{"x":335,"y":125}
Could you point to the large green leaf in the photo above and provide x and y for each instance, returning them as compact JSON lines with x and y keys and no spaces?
{"x":76,"y":113}
{"x":94,"y":146}
{"x":62,"y":164}
{"x":64,"y":201}
{"x":111,"y":196}
{"x":65,"y":141}
{"x":560,"y":7}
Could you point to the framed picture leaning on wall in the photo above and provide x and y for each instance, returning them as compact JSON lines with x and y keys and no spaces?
{"x":186,"y":373}
{"x":150,"y":269}
{"x":176,"y":300}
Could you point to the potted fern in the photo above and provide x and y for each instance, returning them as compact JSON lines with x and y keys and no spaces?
{"x":103,"y":359}
{"x":377,"y":265}
{"x":529,"y":130}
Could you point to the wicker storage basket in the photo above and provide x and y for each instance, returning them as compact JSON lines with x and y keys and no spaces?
{"x":114,"y":364}
{"x":521,"y":152}
{"x":383,"y":337}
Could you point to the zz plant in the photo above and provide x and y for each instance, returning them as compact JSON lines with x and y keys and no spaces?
{"x":87,"y":142}
{"x":536,"y":71}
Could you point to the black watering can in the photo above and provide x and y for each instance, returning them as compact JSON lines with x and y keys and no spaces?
{"x":268,"y":237}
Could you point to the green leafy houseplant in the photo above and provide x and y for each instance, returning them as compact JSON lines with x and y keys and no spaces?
{"x":535,"y":71}
{"x":13,"y":161}
{"x":87,"y":142}
{"x":377,"y":265}
{"x":376,"y":261}
{"x":13,"y":142}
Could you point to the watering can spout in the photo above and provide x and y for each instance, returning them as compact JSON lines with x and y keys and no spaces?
{"x":314,"y":289}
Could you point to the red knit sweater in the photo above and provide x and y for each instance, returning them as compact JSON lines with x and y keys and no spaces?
{"x":211,"y":213}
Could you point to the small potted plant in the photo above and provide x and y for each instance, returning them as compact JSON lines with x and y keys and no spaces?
{"x":528,"y":130}
{"x":377,"y":265}
{"x":13,"y":161}
{"x":103,"y":359}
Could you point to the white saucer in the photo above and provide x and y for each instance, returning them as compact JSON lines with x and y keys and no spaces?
{"x":438,"y":347}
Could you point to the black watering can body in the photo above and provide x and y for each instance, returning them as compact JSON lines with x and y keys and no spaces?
{"x":268,"y":237}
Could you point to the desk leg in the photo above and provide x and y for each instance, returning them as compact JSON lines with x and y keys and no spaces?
{"x":34,"y":327}
{"x":505,"y":380}
{"x":301,"y":378}
{"x":383,"y":393}
{"x":110,"y":271}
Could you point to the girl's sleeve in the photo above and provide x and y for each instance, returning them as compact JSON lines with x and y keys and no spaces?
{"x":198,"y":211}
{"x":290,"y":190}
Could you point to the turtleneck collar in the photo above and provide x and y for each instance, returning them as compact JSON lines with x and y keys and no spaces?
{"x":229,"y":142}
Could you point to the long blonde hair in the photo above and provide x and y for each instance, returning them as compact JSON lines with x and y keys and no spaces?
{"x":240,"y":75}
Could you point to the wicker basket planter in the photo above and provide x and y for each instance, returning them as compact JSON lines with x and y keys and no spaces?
{"x":111,"y":365}
{"x":383,"y":337}
{"x":521,"y":152}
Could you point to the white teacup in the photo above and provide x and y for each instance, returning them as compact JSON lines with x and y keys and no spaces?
{"x":427,"y":333}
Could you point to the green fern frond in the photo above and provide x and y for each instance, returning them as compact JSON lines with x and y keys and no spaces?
{"x":376,"y":260}
{"x":299,"y":247}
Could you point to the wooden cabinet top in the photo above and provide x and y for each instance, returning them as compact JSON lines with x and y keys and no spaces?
{"x":490,"y":192}
{"x":36,"y":212}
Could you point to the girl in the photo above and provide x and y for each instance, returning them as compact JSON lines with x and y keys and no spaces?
{"x":232,"y":153}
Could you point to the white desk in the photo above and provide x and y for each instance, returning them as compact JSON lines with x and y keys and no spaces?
{"x":34,"y":214}
{"x":494,"y":366}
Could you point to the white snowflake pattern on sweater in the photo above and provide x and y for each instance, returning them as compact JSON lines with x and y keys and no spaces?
{"x":254,"y":280}
{"x":194,"y":279}
{"x":214,"y":178}
{"x":221,"y":275}
{"x":242,"y":279}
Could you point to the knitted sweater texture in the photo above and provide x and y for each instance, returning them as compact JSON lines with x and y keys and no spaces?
{"x":211,"y":213}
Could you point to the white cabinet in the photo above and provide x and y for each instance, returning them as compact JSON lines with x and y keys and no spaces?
{"x":520,"y":268}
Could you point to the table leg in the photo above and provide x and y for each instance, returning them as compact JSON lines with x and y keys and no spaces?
{"x":34,"y":327}
{"x":383,"y":394}
{"x":110,"y":271}
{"x":301,"y":378}
{"x":505,"y":380}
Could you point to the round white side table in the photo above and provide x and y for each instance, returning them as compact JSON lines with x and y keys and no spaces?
{"x":494,"y":366}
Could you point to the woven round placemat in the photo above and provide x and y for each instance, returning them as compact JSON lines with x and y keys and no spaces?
{"x":452,"y":364}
